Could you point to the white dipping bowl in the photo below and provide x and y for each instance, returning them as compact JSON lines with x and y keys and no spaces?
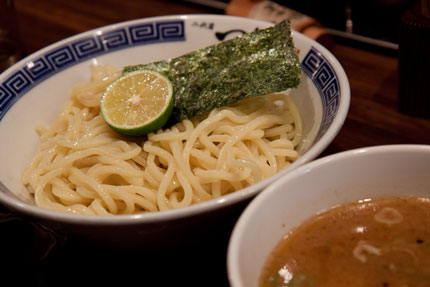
{"x":393,"y":170}
{"x":34,"y":91}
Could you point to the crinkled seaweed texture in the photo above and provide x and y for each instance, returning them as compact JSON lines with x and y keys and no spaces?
{"x":253,"y":64}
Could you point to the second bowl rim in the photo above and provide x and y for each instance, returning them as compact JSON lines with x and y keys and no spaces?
{"x":238,"y":229}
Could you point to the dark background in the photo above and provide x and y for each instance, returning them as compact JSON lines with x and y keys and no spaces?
{"x":377,"y":19}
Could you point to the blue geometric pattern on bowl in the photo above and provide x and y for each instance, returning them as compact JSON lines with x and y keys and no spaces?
{"x":316,"y":66}
{"x":71,"y":53}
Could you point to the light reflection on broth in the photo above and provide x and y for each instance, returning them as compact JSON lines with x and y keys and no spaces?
{"x":383,"y":242}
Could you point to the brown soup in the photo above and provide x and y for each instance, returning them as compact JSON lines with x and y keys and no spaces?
{"x":382,"y":242}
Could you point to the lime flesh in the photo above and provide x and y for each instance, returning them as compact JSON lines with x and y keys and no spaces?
{"x":138,"y":103}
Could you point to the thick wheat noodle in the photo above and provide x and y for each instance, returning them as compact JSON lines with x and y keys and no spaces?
{"x":83,"y":167}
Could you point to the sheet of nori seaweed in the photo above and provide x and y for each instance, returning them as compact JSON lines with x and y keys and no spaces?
{"x":253,"y":64}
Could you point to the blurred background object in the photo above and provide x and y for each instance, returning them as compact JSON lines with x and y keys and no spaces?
{"x":10,"y":48}
{"x":414,"y":60}
{"x":273,"y":12}
{"x":371,"y":22}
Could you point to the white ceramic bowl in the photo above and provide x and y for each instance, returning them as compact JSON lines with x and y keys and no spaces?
{"x":35,"y":89}
{"x":349,"y":176}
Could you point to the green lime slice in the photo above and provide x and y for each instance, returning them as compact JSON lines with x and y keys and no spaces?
{"x":138,"y":103}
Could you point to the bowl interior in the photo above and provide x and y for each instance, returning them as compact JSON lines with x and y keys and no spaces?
{"x":35,"y":89}
{"x":315,"y":187}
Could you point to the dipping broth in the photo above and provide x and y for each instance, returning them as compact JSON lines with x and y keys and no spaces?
{"x":382,"y":242}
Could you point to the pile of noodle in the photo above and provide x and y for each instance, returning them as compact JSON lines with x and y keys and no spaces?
{"x":84,"y":167}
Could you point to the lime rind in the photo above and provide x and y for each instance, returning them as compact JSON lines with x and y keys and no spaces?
{"x":153,"y":124}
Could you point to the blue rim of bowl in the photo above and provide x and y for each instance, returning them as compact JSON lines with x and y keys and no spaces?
{"x":16,"y":81}
{"x":36,"y":69}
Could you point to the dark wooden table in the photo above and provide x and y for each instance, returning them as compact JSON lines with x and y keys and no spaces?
{"x":373,"y":119}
